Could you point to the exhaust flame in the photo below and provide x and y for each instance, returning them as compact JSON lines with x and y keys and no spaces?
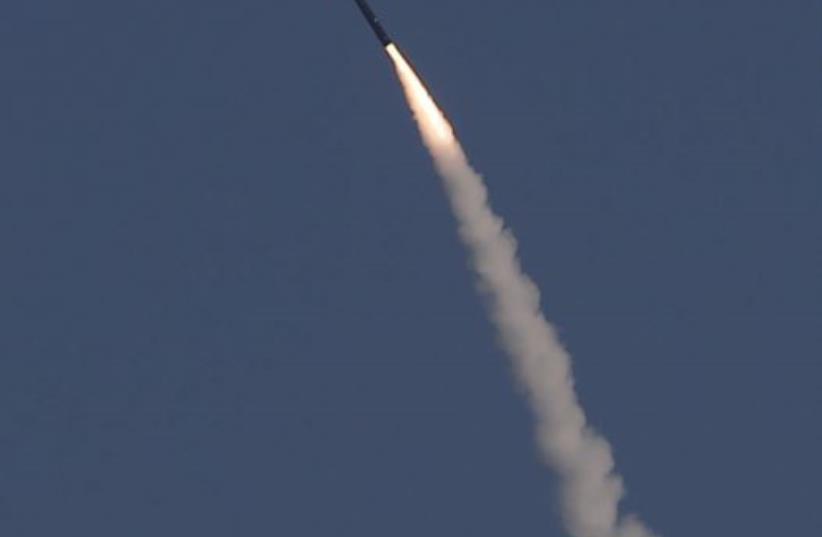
{"x":590,"y":489}
{"x":431,"y":119}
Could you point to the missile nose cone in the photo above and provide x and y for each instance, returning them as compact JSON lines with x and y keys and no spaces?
{"x":374,"y":22}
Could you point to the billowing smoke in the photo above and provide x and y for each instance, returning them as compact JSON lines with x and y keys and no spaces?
{"x":590,"y":489}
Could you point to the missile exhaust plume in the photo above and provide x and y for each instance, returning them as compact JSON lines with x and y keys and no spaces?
{"x":590,"y":488}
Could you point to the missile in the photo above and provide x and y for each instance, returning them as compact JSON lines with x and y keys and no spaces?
{"x":374,"y":22}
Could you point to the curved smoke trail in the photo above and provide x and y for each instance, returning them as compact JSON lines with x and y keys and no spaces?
{"x":590,"y":488}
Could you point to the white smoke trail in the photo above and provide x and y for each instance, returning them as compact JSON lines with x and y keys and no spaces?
{"x":590,"y":489}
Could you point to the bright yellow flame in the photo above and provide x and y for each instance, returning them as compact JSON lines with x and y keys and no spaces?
{"x":435,"y":128}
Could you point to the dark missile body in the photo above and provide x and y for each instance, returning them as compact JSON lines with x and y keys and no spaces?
{"x":374,"y":22}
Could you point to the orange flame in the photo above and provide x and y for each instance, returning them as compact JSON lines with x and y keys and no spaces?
{"x":434,"y":127}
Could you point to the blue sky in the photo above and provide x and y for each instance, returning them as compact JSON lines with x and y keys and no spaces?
{"x":234,"y":299}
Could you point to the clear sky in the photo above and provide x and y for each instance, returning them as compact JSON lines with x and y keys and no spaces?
{"x":234,"y":303}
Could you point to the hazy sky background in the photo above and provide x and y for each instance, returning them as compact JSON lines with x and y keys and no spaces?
{"x":234,"y":303}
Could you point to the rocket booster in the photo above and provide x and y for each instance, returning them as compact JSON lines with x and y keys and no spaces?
{"x":374,"y":22}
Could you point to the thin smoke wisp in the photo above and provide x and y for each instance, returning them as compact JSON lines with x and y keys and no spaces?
{"x":590,"y":488}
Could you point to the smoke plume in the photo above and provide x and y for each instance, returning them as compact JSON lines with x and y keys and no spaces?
{"x":590,"y":489}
